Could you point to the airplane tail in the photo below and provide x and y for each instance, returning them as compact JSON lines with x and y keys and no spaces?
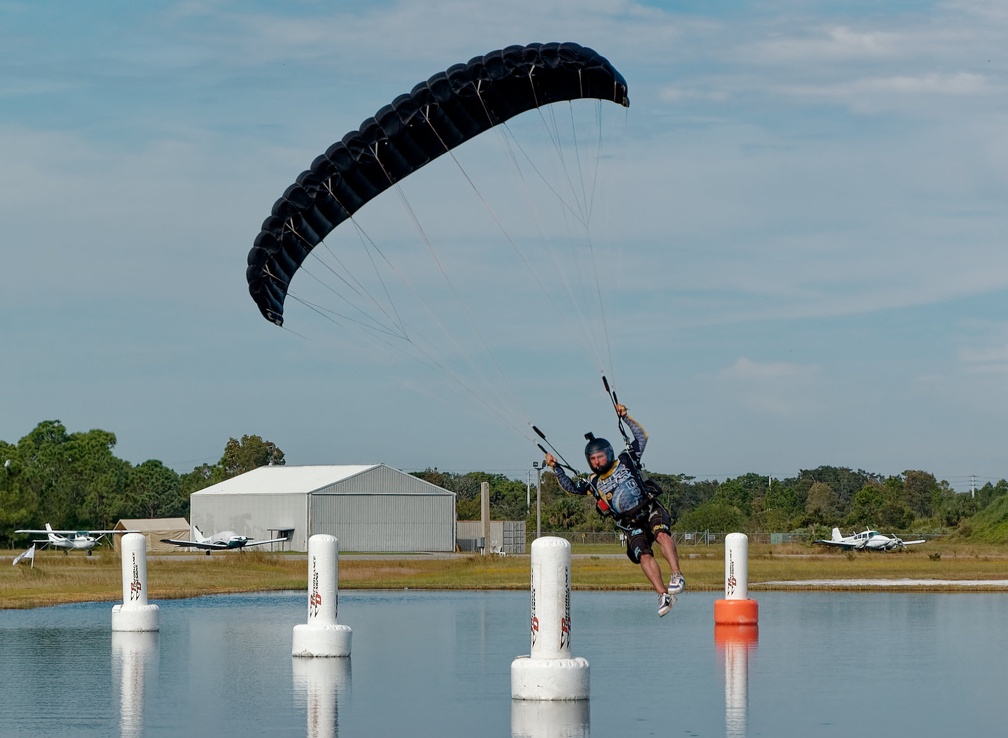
{"x":52,"y":536}
{"x":199,"y":537}
{"x":836,"y":535}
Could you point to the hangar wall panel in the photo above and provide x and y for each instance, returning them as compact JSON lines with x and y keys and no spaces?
{"x":252,"y":515}
{"x":386,"y":521}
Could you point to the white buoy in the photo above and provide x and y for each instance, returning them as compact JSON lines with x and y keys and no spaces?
{"x":134,"y":614}
{"x":322,"y":635}
{"x":135,"y":663}
{"x":549,"y":672}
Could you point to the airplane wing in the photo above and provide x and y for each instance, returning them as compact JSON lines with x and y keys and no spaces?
{"x":263,"y":543}
{"x":838,"y":544}
{"x":72,"y":532}
{"x":196,"y":544}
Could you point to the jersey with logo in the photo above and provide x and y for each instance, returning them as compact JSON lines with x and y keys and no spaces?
{"x":621,"y":488}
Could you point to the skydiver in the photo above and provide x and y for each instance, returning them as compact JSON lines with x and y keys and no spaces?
{"x":619,"y":489}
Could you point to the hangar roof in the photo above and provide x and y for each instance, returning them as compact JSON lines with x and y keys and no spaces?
{"x":283,"y":479}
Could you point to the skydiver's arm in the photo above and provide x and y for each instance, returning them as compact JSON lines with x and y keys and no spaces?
{"x":568,"y":485}
{"x":640,"y":436}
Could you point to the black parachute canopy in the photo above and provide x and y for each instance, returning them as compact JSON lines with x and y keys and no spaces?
{"x":448,"y":109}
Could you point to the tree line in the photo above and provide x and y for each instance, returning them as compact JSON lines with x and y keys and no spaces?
{"x":75,"y":481}
{"x":813,"y":500}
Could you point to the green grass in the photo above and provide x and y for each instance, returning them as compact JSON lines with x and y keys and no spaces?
{"x":58,"y":578}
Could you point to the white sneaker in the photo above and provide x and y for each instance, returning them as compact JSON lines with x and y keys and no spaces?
{"x":665,"y":602}
{"x":676,"y":584}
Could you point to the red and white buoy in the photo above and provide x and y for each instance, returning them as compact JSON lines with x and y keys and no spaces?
{"x":322,"y":635}
{"x":736,"y":608}
{"x":134,"y":614}
{"x":549,"y":672}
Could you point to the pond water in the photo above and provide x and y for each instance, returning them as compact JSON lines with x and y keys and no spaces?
{"x":438,"y":664}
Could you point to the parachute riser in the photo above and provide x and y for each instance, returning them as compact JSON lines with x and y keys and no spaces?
{"x":556,"y":453}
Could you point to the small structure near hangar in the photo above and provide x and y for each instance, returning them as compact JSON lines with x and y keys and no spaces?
{"x":153,"y":529}
{"x":367,"y":507}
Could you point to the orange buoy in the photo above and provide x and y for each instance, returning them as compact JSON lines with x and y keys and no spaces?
{"x":736,"y":612}
{"x":736,"y":608}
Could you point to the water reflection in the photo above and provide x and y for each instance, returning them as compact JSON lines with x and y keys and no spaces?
{"x":435,"y":664}
{"x":550,"y":719}
{"x":321,"y":684}
{"x":734,"y":642}
{"x":134,"y":668}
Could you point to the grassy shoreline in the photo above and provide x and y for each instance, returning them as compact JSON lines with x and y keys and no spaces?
{"x":59,"y":579}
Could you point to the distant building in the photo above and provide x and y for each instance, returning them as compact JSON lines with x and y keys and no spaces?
{"x":506,"y":536}
{"x":367,"y":507}
{"x":153,"y":529}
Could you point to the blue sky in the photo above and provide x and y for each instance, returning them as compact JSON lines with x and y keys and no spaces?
{"x":803,"y":225}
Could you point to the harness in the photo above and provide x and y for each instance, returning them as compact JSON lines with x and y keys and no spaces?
{"x":626,"y":518}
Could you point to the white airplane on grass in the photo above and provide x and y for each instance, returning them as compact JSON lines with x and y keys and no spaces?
{"x":71,"y":540}
{"x":223,"y":541}
{"x":868,"y":540}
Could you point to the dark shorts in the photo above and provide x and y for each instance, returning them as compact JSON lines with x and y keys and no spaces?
{"x":643,"y":532}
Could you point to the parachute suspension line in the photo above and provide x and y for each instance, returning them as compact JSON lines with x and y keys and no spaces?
{"x":553,"y":132}
{"x":420,"y":352}
{"x":266,"y":272}
{"x":468,"y":390}
{"x":491,"y":386}
{"x":598,"y":159}
{"x":591,"y":244}
{"x":424,"y":356}
{"x":493,"y":215}
{"x":511,"y":142}
{"x":364,"y":245}
{"x":585,"y":209}
{"x":413,"y":340}
{"x":369,"y":323}
{"x":554,"y":135}
{"x":377,"y":324}
{"x":598,"y":291}
{"x":465,"y":309}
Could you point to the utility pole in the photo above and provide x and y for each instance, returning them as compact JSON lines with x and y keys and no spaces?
{"x":538,"y":467}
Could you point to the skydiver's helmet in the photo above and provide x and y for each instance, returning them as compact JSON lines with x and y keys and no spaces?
{"x":600,"y":445}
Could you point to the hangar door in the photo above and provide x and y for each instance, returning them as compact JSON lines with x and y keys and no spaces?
{"x":386,"y":522}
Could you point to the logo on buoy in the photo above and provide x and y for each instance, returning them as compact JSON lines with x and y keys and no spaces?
{"x":135,"y":587}
{"x":731,"y":581}
{"x":315,"y":598}
{"x":534,"y":621}
{"x":565,"y":621}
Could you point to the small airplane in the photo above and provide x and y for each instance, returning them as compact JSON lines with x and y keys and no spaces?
{"x":868,"y":540}
{"x":223,"y":541}
{"x":71,"y":540}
